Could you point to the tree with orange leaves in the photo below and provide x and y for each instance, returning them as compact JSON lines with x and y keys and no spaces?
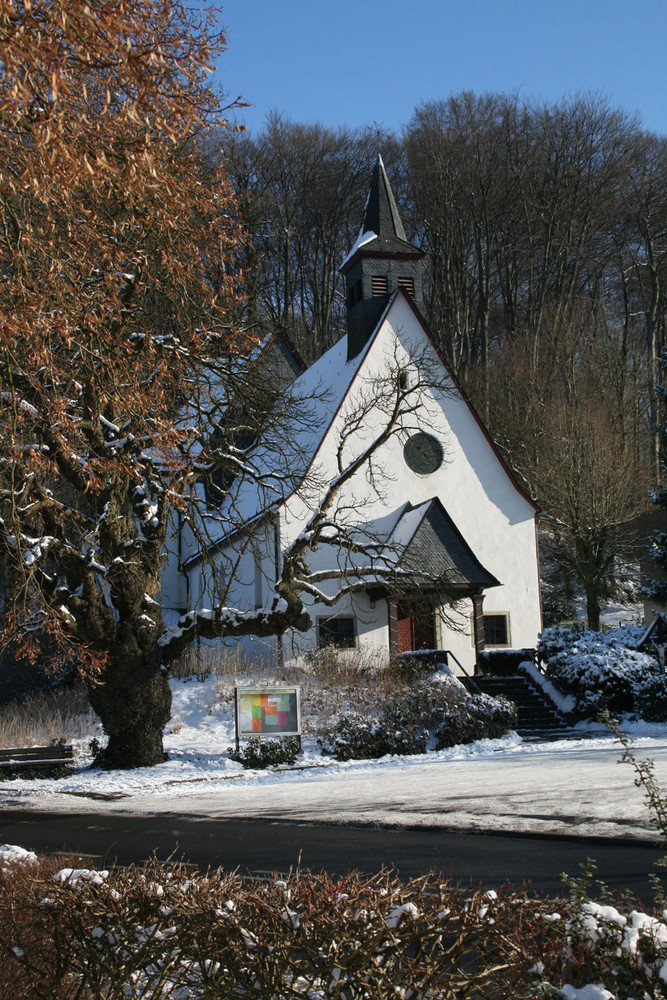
{"x":119,"y":289}
{"x":125,"y":376}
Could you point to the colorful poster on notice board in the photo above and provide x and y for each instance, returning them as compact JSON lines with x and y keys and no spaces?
{"x":268,"y":711}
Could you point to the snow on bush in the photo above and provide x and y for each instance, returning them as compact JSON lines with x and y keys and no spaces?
{"x":356,"y":737}
{"x":10,"y":854}
{"x":604,"y":670}
{"x":607,"y":948}
{"x":440,"y":711}
{"x":260,"y":754}
{"x":170,"y":932}
{"x":481,"y":717}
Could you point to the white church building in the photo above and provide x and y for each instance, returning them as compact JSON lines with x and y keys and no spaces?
{"x":440,"y":543}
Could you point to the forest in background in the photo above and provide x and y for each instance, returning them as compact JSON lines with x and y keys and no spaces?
{"x":545,"y":230}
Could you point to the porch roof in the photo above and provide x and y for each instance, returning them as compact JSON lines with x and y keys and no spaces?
{"x":433,"y":546}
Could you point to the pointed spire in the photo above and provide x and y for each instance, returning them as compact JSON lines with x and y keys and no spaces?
{"x":381,"y":215}
{"x":381,"y":229}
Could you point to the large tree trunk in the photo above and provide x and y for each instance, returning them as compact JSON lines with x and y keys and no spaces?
{"x":593,"y":609}
{"x":134,"y":704}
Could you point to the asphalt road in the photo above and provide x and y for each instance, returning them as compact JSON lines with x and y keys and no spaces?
{"x":262,"y":846}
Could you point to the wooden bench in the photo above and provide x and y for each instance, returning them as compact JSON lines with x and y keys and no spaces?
{"x":29,"y":758}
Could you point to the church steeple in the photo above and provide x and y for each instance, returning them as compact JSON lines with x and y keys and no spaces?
{"x":381,"y":261}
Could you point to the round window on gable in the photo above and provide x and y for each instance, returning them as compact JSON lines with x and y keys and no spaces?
{"x":423,"y":453}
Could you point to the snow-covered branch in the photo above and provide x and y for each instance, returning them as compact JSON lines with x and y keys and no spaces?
{"x":222,"y":622}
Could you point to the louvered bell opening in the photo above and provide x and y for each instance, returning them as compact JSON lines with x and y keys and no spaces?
{"x":408,"y":286}
{"x":379,"y":285}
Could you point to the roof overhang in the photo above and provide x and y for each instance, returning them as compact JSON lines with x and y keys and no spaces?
{"x":432,"y":552}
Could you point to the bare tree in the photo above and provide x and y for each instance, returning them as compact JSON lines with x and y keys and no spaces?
{"x":641,"y":245}
{"x":566,"y":415}
{"x":455,"y":159}
{"x":516,"y":205}
{"x":592,"y":490}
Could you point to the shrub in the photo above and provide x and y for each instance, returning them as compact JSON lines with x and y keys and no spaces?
{"x":604,"y":671}
{"x":557,"y":607}
{"x":408,"y":722}
{"x":480,"y":717}
{"x":168,"y":931}
{"x":415,"y":665}
{"x":425,"y":706}
{"x":358,"y":738}
{"x":258,"y":754}
{"x":403,"y":727}
{"x":650,"y":698}
{"x":599,"y":946}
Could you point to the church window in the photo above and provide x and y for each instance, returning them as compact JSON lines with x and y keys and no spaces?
{"x":408,"y":286}
{"x":496,"y":630}
{"x":423,"y":453}
{"x":338,"y":631}
{"x":379,"y":285}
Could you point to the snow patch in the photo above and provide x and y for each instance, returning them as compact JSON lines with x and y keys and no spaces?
{"x":10,"y":854}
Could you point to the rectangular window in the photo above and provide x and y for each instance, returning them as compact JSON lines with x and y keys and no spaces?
{"x":379,"y":285}
{"x":408,"y":286}
{"x":496,"y":630}
{"x":354,"y":294}
{"x":338,"y":631}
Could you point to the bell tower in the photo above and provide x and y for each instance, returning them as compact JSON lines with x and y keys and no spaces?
{"x":380,"y":262}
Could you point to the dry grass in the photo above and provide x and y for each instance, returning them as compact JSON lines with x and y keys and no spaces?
{"x":332,"y":682}
{"x":48,"y":716}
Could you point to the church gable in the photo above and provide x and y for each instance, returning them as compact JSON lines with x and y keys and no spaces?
{"x":439,"y":551}
{"x":401,"y":348}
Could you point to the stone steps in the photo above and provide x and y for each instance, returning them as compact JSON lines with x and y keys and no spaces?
{"x":537,"y":714}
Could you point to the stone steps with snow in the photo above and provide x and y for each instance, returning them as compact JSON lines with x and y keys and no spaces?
{"x":536,"y":713}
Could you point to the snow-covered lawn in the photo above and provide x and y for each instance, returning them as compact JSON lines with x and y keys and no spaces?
{"x":567,"y":786}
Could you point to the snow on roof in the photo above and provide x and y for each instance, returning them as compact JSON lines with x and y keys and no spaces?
{"x":283,"y":459}
{"x":406,"y":525}
{"x":362,"y":239}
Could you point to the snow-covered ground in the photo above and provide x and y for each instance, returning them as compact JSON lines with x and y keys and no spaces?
{"x":562,"y":787}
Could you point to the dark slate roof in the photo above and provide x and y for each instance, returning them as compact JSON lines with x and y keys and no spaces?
{"x":381,"y":217}
{"x":438,"y":549}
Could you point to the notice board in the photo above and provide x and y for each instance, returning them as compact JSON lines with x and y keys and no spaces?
{"x":268,"y":711}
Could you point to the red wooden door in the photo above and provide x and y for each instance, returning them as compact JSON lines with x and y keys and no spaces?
{"x":405,"y":629}
{"x":415,"y":626}
{"x":424,"y":627}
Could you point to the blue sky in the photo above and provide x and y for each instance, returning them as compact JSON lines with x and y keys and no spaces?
{"x":365,"y":62}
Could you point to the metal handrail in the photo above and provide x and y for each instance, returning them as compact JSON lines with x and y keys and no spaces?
{"x":477,"y":689}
